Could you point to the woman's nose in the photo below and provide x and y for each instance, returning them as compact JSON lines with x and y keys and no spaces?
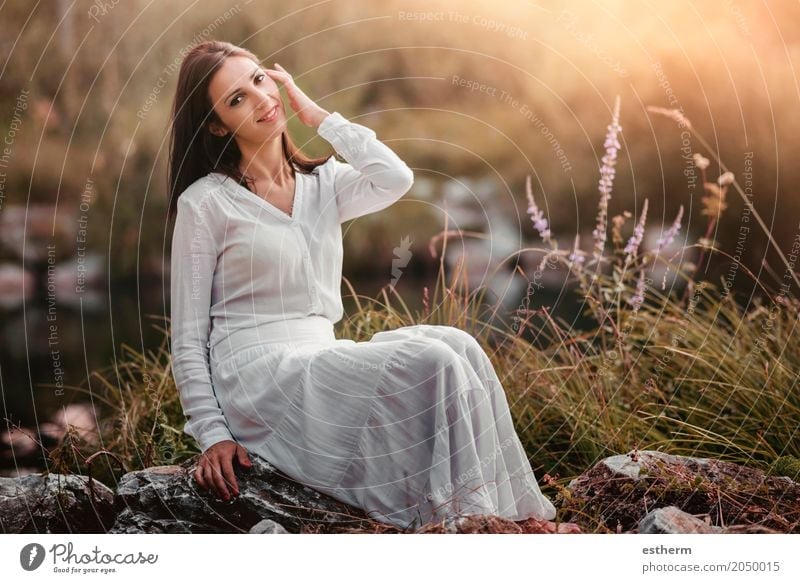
{"x":269,"y":101}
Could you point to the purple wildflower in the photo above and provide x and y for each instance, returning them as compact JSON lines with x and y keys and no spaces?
{"x":667,"y":238}
{"x":607,"y":179}
{"x":577,"y":256}
{"x":638,"y":233}
{"x":537,"y":216}
{"x":638,"y":297}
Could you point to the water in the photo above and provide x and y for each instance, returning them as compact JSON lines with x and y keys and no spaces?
{"x":49,"y":348}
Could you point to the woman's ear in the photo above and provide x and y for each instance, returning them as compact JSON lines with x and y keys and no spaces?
{"x":216,"y":129}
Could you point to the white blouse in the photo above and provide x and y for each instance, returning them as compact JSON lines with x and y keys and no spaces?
{"x":239,"y":263}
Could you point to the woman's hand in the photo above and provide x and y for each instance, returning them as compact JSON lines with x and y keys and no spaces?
{"x":215,"y":468}
{"x":308,"y":112}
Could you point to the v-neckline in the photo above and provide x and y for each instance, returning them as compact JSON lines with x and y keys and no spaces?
{"x":268,"y":205}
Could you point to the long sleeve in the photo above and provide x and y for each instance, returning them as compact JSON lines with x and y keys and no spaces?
{"x":192,"y":269}
{"x":372,"y":177}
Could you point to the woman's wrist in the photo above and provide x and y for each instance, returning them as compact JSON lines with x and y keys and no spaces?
{"x":319,"y":117}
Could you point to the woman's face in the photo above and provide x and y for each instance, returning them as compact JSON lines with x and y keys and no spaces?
{"x":241,"y":93}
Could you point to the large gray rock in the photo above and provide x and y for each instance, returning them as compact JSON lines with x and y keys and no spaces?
{"x":55,"y":503}
{"x":268,"y":526}
{"x":672,"y":520}
{"x":638,"y":492}
{"x":167,"y":499}
{"x":619,"y":491}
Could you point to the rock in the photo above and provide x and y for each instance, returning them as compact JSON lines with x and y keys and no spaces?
{"x":55,"y":503}
{"x":672,"y":520}
{"x":621,"y":490}
{"x":268,"y":526}
{"x":491,"y":524}
{"x":455,"y":524}
{"x":167,"y":499}
{"x":648,"y":492}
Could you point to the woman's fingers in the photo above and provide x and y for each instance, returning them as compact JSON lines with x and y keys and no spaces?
{"x":281,"y":75}
{"x":216,"y":469}
{"x":294,"y":92}
{"x":277,"y":75}
{"x":227,"y":473}
{"x":219,"y":481}
{"x":308,"y":112}
{"x":244,"y":459}
{"x":284,"y":71}
{"x":208,"y":476}
{"x":198,"y":475}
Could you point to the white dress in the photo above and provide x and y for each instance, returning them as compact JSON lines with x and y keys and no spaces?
{"x":410,"y":426}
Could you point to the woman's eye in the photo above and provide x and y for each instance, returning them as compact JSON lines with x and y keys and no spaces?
{"x":234,"y":102}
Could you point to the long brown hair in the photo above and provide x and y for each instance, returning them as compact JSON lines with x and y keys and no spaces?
{"x":194,"y":151}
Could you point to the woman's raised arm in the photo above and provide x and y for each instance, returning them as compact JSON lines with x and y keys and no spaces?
{"x":373,"y":176}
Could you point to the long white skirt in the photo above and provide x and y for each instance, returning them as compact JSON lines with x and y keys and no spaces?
{"x":411,"y":426}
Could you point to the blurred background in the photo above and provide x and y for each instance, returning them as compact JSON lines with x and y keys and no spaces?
{"x":474,"y":96}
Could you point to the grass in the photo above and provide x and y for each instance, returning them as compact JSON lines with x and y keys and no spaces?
{"x":684,"y":370}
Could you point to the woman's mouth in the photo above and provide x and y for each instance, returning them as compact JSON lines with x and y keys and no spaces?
{"x":269,"y":116}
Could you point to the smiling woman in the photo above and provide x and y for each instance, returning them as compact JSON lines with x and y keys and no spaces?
{"x":412,"y":425}
{"x":220,"y":123}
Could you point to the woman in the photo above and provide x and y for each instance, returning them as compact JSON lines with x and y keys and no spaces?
{"x":411,"y":426}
